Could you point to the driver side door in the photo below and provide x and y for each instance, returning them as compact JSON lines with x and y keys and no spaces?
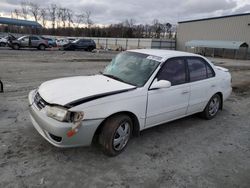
{"x":171,"y":103}
{"x":24,"y":42}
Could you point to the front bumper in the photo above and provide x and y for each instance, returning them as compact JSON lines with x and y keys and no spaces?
{"x":55,"y":131}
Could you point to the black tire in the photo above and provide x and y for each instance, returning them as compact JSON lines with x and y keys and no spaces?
{"x":2,"y":44}
{"x":90,"y":49}
{"x":212,"y":107}
{"x":110,"y":133}
{"x":15,"y":46}
{"x":41,"y":47}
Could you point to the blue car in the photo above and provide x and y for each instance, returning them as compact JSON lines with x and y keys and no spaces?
{"x":51,"y":42}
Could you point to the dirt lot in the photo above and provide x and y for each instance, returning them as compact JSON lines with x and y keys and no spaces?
{"x":190,"y":152}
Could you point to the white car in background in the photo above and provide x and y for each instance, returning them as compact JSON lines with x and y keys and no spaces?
{"x":61,"y":41}
{"x":137,"y":90}
{"x":3,"y":41}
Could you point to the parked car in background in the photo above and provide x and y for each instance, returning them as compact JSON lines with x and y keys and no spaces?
{"x":81,"y":44}
{"x":51,"y":42}
{"x":4,"y":40}
{"x":139,"y":89}
{"x":71,"y":39}
{"x":29,"y":42}
{"x":62,"y":41}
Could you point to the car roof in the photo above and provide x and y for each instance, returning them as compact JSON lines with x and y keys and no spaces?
{"x":164,"y":54}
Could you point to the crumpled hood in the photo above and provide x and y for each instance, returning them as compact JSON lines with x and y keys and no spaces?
{"x":66,"y":90}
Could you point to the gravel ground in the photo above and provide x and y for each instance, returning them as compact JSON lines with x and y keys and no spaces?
{"x":190,"y":152}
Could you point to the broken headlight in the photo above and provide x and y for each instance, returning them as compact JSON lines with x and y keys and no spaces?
{"x":62,"y":114}
{"x":56,"y":112}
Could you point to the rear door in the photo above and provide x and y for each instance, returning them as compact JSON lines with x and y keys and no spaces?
{"x":169,"y":103}
{"x":34,"y":41}
{"x":202,"y":83}
{"x":84,"y":44}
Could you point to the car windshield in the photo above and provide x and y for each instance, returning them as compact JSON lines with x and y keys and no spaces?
{"x":132,"y":68}
{"x":20,"y":38}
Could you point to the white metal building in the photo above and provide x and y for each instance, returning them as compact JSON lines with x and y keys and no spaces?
{"x":231,"y":28}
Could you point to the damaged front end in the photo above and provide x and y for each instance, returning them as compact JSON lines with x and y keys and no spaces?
{"x":61,"y":114}
{"x":59,"y":125}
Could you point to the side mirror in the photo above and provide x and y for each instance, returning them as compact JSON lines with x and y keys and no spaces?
{"x":161,"y":84}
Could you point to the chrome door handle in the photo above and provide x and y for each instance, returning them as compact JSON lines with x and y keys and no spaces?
{"x":185,"y":92}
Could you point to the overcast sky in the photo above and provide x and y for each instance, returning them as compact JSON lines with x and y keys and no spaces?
{"x":142,"y":11}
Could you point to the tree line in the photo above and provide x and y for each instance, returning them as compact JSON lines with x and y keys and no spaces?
{"x":58,"y":20}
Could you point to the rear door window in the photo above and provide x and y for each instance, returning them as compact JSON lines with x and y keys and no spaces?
{"x":34,"y":38}
{"x":199,"y":69}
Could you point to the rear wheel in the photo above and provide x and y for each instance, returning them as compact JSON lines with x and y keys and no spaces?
{"x":115,"y":134}
{"x":90,"y":49}
{"x":212,"y":107}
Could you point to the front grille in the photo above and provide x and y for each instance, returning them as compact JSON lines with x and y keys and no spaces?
{"x":38,"y":100}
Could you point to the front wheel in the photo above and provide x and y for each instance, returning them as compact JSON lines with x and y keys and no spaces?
{"x":15,"y":46}
{"x":2,"y":44}
{"x":115,"y":134}
{"x":41,"y":47}
{"x":212,"y":107}
{"x":90,"y":48}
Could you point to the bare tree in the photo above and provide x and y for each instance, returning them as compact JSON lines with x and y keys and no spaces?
{"x":16,"y":13}
{"x":25,"y":9}
{"x":34,"y":10}
{"x":70,"y":16}
{"x":79,"y":19}
{"x":129,"y":23}
{"x":147,"y":30}
{"x":58,"y":17}
{"x":63,"y":16}
{"x":53,"y":14}
{"x":88,"y":20}
{"x":43,"y":13}
{"x":157,"y":28}
{"x":168,"y":28}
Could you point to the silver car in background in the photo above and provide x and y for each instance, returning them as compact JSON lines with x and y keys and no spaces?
{"x":31,"y":41}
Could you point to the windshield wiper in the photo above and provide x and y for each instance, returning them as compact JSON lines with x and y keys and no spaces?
{"x":116,"y":78}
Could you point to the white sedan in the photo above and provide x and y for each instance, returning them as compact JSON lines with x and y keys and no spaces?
{"x":137,"y":90}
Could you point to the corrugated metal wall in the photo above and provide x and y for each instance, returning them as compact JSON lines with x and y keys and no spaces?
{"x":235,"y":28}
